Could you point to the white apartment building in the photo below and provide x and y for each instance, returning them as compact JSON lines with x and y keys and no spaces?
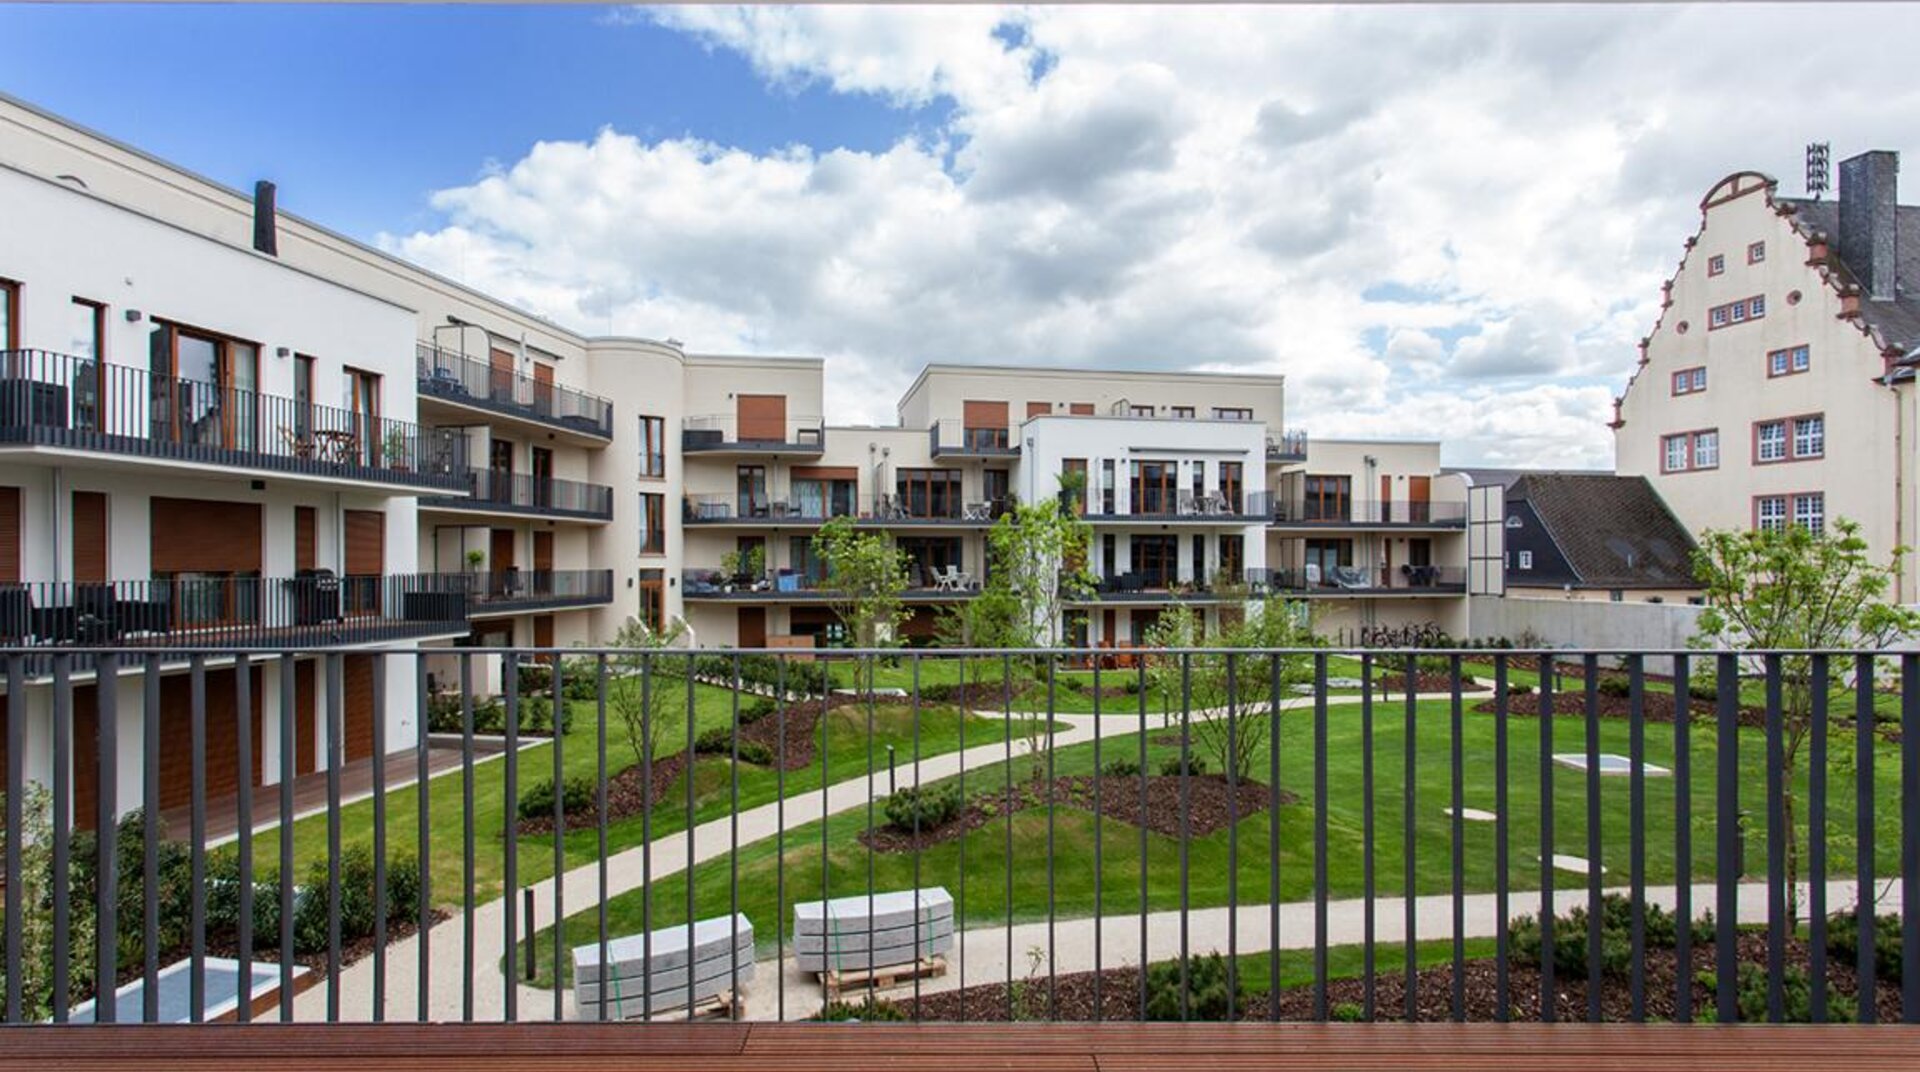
{"x":1777,"y":386}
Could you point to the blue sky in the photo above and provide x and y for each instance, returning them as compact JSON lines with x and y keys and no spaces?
{"x":360,"y":112}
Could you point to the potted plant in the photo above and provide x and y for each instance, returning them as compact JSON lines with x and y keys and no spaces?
{"x":395,"y":447}
{"x":745,"y":567}
{"x":475,"y":559}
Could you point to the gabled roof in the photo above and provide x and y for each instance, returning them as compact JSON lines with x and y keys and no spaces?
{"x":1897,"y":322}
{"x":1615,"y":531}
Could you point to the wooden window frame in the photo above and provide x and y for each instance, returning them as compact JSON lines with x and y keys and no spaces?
{"x":653,"y":446}
{"x":1168,"y":486}
{"x":926,"y":480}
{"x":10,"y":297}
{"x":653,"y":523}
{"x":1320,"y":489}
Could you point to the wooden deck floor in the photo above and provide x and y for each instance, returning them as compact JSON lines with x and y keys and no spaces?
{"x":908,"y":1048}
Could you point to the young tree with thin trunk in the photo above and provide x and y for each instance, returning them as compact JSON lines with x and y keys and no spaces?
{"x":866,"y":576}
{"x":1039,"y":554}
{"x":641,"y":694}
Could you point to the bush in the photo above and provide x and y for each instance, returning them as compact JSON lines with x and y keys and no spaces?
{"x":1519,"y":690}
{"x":1843,"y":942}
{"x":577,"y":796}
{"x":1425,"y":664}
{"x":867,"y":1011}
{"x":717,"y":741}
{"x":1570,"y":937}
{"x":1347,"y":1012}
{"x":443,"y":713}
{"x":311,"y":903}
{"x":1121,"y":768}
{"x":908,"y":810}
{"x":1703,"y":690}
{"x":756,"y":753}
{"x":1750,"y":994}
{"x":535,"y":677}
{"x":1614,"y":686}
{"x":1171,"y":767}
{"x":755,"y":711}
{"x":580,"y":679}
{"x":1206,"y":990}
{"x":222,"y":897}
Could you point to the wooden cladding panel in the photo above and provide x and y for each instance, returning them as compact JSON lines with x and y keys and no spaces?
{"x":305,"y":694}
{"x":983,"y":414}
{"x":356,"y":674}
{"x":761,"y":417}
{"x":1080,"y":409}
{"x":500,"y":550}
{"x":753,"y":627}
{"x":10,"y":535}
{"x":543,"y":635}
{"x":89,"y":537}
{"x":826,"y":472}
{"x":366,"y":542}
{"x":306,"y":537}
{"x":1039,"y":409}
{"x":205,"y":536}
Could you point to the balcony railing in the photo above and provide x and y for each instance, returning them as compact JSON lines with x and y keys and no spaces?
{"x":717,"y":507}
{"x":451,"y":377}
{"x":1359,"y":834}
{"x":1408,"y":579}
{"x":516,"y":590}
{"x":1246,"y":507}
{"x":1438,"y":513}
{"x":924,"y":582}
{"x":58,"y":400}
{"x":725,"y":433}
{"x":955,"y":439}
{"x":1287,"y":447}
{"x":521,"y":493}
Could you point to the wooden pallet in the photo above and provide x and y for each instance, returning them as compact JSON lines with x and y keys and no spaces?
{"x":725,"y":1005}
{"x":835,"y":983}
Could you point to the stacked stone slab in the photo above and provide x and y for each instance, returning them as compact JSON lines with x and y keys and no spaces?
{"x":877,"y":930}
{"x":645,"y":974}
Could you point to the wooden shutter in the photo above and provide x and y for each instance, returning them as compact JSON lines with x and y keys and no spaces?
{"x":826,"y":472}
{"x":10,"y":535}
{"x":204,"y":536}
{"x":983,"y":414}
{"x":500,"y":550}
{"x":306,"y":695}
{"x":306,"y":535}
{"x":543,"y":551}
{"x":543,"y":631}
{"x":543,"y":388}
{"x":366,"y":542}
{"x":1080,"y":409}
{"x":761,"y":417}
{"x":753,"y":627}
{"x":1039,"y":409}
{"x":89,"y":537}
{"x":356,"y":705}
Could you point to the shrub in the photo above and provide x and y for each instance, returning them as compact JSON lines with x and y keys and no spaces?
{"x":1132,"y":686}
{"x":1614,"y":686}
{"x":1570,"y":937}
{"x":535,"y":677}
{"x":925,"y":808}
{"x":867,"y":1011}
{"x":1171,"y":767}
{"x":443,"y":713}
{"x":756,"y":753}
{"x":755,"y":711}
{"x":1205,"y":988}
{"x":222,"y":897}
{"x":1519,"y":690}
{"x":1750,"y":994}
{"x":1347,"y":1012}
{"x":1121,"y":768}
{"x":576,"y":797}
{"x":717,"y":741}
{"x":580,"y":679}
{"x":310,"y":904}
{"x":1703,"y":690}
{"x":1428,"y":664}
{"x":1843,"y":941}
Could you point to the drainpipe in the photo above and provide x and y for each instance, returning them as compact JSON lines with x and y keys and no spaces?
{"x":1899,"y":487}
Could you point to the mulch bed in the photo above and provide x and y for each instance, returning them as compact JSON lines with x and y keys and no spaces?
{"x":1120,"y":993}
{"x":1656,"y":706}
{"x":1210,"y":806}
{"x":227,"y":944}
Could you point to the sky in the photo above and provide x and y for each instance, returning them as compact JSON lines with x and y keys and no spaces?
{"x":1437,"y":222}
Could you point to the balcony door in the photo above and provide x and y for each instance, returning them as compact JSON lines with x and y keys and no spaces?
{"x":1155,"y":488}
{"x":543,"y":389}
{"x":366,"y":559}
{"x":500,"y":470}
{"x":1419,"y":499}
{"x":542,"y":477}
{"x":203,"y":388}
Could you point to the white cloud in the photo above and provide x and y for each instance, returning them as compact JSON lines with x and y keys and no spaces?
{"x":1220,"y":188}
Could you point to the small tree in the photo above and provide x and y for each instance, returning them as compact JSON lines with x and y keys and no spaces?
{"x":1040,"y":559}
{"x":1793,"y":589}
{"x":640,"y":697}
{"x":36,"y":900}
{"x":866,"y":575}
{"x":1231,"y":740}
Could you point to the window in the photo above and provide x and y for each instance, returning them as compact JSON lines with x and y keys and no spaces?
{"x":1809,"y":437}
{"x":1810,"y":511}
{"x":1140,"y":411}
{"x":1155,"y":488}
{"x":1756,"y":252}
{"x":1156,"y":560}
{"x":1770,"y":513}
{"x":1736,"y":312}
{"x":1770,"y":442}
{"x":653,"y":523}
{"x":1690,"y":380}
{"x":653,"y":446}
{"x":928,"y":557}
{"x":1716,"y":264}
{"x":1233,"y":557}
{"x":87,"y":340}
{"x":1106,"y":486}
{"x":1790,"y":439}
{"x":1231,"y":485}
{"x":750,"y":491}
{"x":1329,"y":498}
{"x":1526,"y":559}
{"x":1183,"y":411}
{"x":928,"y":493}
{"x":202,"y":391}
{"x":1673,"y":454}
{"x":9,"y":314}
{"x":1231,"y":413}
{"x":302,"y":396}
{"x":1789,"y":361}
{"x":1690,"y":450}
{"x":1706,"y":450}
{"x":653,"y":599}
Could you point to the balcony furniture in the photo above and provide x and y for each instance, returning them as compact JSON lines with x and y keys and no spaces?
{"x":299,"y":446}
{"x":1313,"y":574}
{"x":781,"y":509}
{"x":788,"y":581}
{"x":1185,"y":504}
{"x":873,"y":929}
{"x":1350,"y":577}
{"x":646,"y":973}
{"x":337,"y":446}
{"x":952,"y":579}
{"x":316,"y":596}
{"x":977,"y":511}
{"x":1215,"y":504}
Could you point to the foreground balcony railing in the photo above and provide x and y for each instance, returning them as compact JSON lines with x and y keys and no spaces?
{"x":446,"y":376}
{"x":1001,"y":834}
{"x":61,"y":401}
{"x":517,"y":590}
{"x":1333,"y":512}
{"x":522,"y":493}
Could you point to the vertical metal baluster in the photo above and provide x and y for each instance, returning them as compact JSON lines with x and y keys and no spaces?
{"x":381,"y":909}
{"x":1274,"y":665}
{"x":1637,"y":831}
{"x":559,"y":690}
{"x":1052,"y":1000}
{"x":423,"y":837}
{"x":1910,"y":843}
{"x":780,"y":841}
{"x":197,"y":838}
{"x":1865,"y":736}
{"x":15,"y":784}
{"x":872,"y":669}
{"x":106,"y":950}
{"x":62,"y":835}
{"x":1549,"y":997}
{"x":335,"y":756}
{"x":510,"y":842}
{"x":1140,"y":690}
{"x":1776,"y":844}
{"x":150,"y":863}
{"x":1590,"y":670}
{"x":1369,"y":879}
{"x":1820,"y":674}
{"x":289,"y":703}
{"x":243,"y":840}
{"x":1502,"y":909}
{"x":1682,"y":841}
{"x":1730,"y":836}
{"x":1006,"y":689}
{"x":1410,"y":889}
{"x":1458,"y":836}
{"x":1233,"y":842}
{"x":1320,"y":835}
{"x":646,"y":837}
{"x":600,"y":831}
{"x":915,"y":706}
{"x":466,"y":836}
{"x":733,"y":846}
{"x":1099,"y":859}
{"x":829,"y":955}
{"x":960,"y":903}
{"x":692,"y":734}
{"x":1186,"y":832}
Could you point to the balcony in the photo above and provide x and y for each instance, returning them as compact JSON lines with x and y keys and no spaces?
{"x":1205,"y":508}
{"x":1404,"y":580}
{"x":790,"y":586}
{"x":888,"y":511}
{"x":521,"y":494}
{"x":1287,"y":448}
{"x":1334,"y":513}
{"x":719,"y":508}
{"x":455,"y":380}
{"x":59,"y":403}
{"x":313,"y":609}
{"x":515,"y":591}
{"x":953,"y":439}
{"x":722,"y":435}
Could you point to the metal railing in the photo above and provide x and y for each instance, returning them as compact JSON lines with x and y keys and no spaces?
{"x":58,"y":400}
{"x":523,"y":493}
{"x":453,"y":377}
{"x":956,"y":438}
{"x":923,"y":582}
{"x":534,"y":589}
{"x":1249,"y":507}
{"x":698,"y":507}
{"x":1287,"y":446}
{"x":1299,"y":511}
{"x":725,"y":431}
{"x":1408,"y":578}
{"x":1675,"y":835}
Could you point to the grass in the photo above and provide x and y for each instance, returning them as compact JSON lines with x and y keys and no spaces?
{"x":845,"y":749}
{"x":825,"y":859}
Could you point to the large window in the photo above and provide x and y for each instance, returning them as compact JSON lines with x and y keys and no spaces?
{"x":1233,"y":557}
{"x":1790,"y":439}
{"x":202,"y":389}
{"x":1810,"y":512}
{"x":653,"y":446}
{"x":806,"y":562}
{"x":750,"y":491}
{"x":1325,"y":556}
{"x":817,"y":499}
{"x":1686,"y":451}
{"x":653,"y":599}
{"x":928,"y":493}
{"x":1156,"y":560}
{"x":653,"y":523}
{"x":87,"y":340}
{"x":1155,"y":487}
{"x":1806,"y":509}
{"x":928,"y":557}
{"x":1231,"y":485}
{"x":1328,"y":498}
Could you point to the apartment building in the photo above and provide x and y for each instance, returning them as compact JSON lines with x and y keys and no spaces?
{"x":1777,"y":386}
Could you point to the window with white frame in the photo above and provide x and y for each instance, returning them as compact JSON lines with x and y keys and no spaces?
{"x":1789,"y":361}
{"x":1770,"y":513}
{"x":1690,"y":380}
{"x":1737,"y":312}
{"x":1674,"y":454}
{"x":1690,"y":450}
{"x":1719,"y":314}
{"x":1770,"y":442}
{"x":1526,"y":560}
{"x":1756,"y":252}
{"x":1706,"y":449}
{"x":1809,"y":436}
{"x":1810,"y":512}
{"x":1716,"y":264}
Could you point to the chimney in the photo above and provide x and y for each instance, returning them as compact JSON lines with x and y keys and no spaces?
{"x":1868,"y":235}
{"x":265,"y":232}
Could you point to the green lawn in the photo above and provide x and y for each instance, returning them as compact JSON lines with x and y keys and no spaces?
{"x":845,"y":749}
{"x":982,"y":888}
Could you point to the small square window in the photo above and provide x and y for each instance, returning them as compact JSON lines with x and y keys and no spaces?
{"x":1770,"y":442}
{"x":1802,"y":358}
{"x":1756,"y":307}
{"x":1777,"y":363}
{"x":1756,"y":253}
{"x":1716,"y":264}
{"x":1526,"y":560}
{"x":1719,"y":315}
{"x":1706,"y":450}
{"x":1739,"y":311}
{"x":1700,"y":379}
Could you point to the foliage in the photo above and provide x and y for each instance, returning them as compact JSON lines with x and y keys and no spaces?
{"x":745,"y":563}
{"x":1121,"y":768}
{"x":717,"y":741}
{"x":356,"y":898}
{"x":1614,"y":686}
{"x":1791,"y":589}
{"x":1570,"y":937}
{"x":1205,"y":987}
{"x":1347,"y":1012}
{"x":577,"y":796}
{"x":991,"y":619}
{"x":1236,"y":680}
{"x":1039,"y":554}
{"x":36,"y":938}
{"x":1750,"y":996}
{"x":868,"y":1010}
{"x":755,"y":753}
{"x":866,"y":577}
{"x":444,"y":715}
{"x":1843,"y":941}
{"x":755,"y":711}
{"x":1174,"y":767}
{"x":910,"y":810}
{"x":645,"y":698}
